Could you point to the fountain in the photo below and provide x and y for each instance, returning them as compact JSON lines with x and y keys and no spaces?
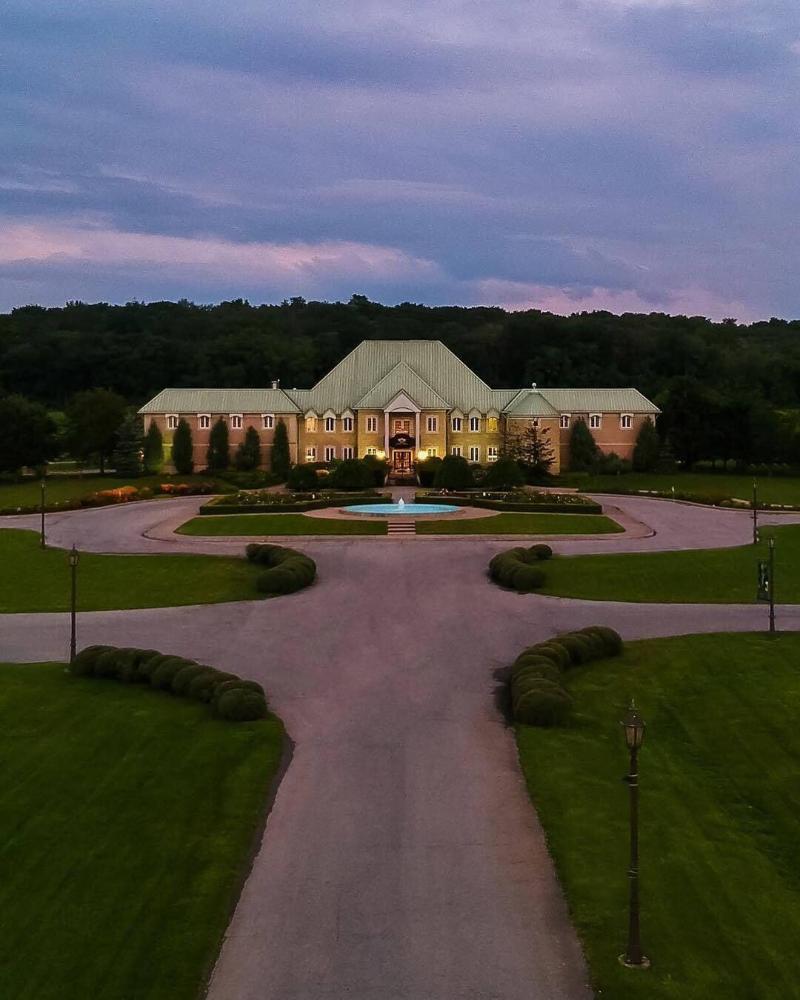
{"x":400,"y":509}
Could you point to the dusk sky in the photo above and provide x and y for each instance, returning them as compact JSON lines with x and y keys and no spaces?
{"x":631,"y":155}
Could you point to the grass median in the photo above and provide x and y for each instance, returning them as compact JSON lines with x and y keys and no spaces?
{"x":720,"y":815}
{"x":129,"y":819}
{"x":509,"y":523}
{"x":704,"y":576}
{"x":35,"y":579}
{"x":771,"y":489}
{"x":258,"y":525}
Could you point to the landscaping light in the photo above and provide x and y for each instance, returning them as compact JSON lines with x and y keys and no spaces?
{"x":381,"y":454}
{"x":422,"y":455}
{"x":633,"y":725}
{"x":74,"y":557}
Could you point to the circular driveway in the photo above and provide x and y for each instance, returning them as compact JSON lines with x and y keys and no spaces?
{"x":401,"y":859}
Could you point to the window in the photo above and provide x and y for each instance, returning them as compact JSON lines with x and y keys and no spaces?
{"x":330,"y":453}
{"x":311,"y":454}
{"x":474,"y":454}
{"x":491,"y":454}
{"x":204,"y":421}
{"x":474,"y":423}
{"x":564,"y":421}
{"x":402,"y":426}
{"x":595,"y":420}
{"x":311,"y":425}
{"x":372,"y":451}
{"x":172,"y":421}
{"x":626,"y":421}
{"x":492,"y":425}
{"x":236,"y":421}
{"x":347,"y":451}
{"x":431,"y":452}
{"x":433,"y":425}
{"x":267,"y":421}
{"x":330,"y":424}
{"x":456,"y":423}
{"x":535,"y":422}
{"x":372,"y":426}
{"x":347,"y":425}
{"x":456,"y":449}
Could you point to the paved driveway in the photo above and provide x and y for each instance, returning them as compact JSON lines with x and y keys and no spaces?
{"x":401,"y":858}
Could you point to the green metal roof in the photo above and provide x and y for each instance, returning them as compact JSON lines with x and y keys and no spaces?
{"x":220,"y":401}
{"x":402,"y":379}
{"x":599,"y":401}
{"x":530,"y":403}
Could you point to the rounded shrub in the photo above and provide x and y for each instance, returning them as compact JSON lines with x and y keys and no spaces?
{"x":241,"y":705}
{"x":161,"y":677}
{"x":530,"y":660}
{"x":514,"y":568}
{"x":106,"y":663}
{"x":234,"y":684}
{"x":201,"y":686}
{"x":181,"y":681}
{"x":148,"y":662}
{"x":579,"y":650}
{"x":540,"y":551}
{"x":612,"y":640}
{"x":549,"y":671}
{"x":126,"y":665}
{"x":83,"y":664}
{"x":554,"y":651}
{"x":526,"y":578}
{"x":545,"y":704}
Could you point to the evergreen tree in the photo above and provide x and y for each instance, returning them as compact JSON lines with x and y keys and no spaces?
{"x":218,"y":456}
{"x":94,"y":418}
{"x":27,"y":434}
{"x":453,"y":474}
{"x":583,"y":450}
{"x":504,"y":474}
{"x":248,"y":454}
{"x":127,"y":455}
{"x":647,"y":451}
{"x":153,"y":448}
{"x":532,"y":448}
{"x":281,"y":458}
{"x":183,"y":449}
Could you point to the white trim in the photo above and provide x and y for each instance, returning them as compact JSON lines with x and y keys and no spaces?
{"x":490,"y":419}
{"x":474,"y":453}
{"x":347,"y":451}
{"x":459,"y":421}
{"x":267,"y":421}
{"x":371,"y":451}
{"x":474,"y":424}
{"x":237,"y":421}
{"x":329,"y":452}
{"x":311,"y":453}
{"x":330,"y":424}
{"x":329,"y":413}
{"x":347,"y":423}
{"x":432,"y":452}
{"x":171,"y":421}
{"x":595,"y":421}
{"x":432,"y":424}
{"x":564,"y":421}
{"x":491,"y":453}
{"x":456,"y":450}
{"x":203,"y":417}
{"x":626,"y":426}
{"x":311,"y":423}
{"x":371,"y":425}
{"x":401,"y":402}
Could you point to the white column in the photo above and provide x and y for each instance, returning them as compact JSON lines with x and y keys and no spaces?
{"x":416,"y":434}
{"x":386,"y":433}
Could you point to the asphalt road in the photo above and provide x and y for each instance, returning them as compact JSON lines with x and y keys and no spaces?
{"x":402,"y":859}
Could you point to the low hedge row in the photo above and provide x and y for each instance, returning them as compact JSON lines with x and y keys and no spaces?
{"x":229,"y":696}
{"x":287,"y":570}
{"x":584,"y":507}
{"x":517,"y":568}
{"x":224,"y":506}
{"x":538,"y":695}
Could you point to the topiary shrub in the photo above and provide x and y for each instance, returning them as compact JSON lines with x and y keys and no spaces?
{"x":530,"y":659}
{"x":578,"y":651}
{"x":241,"y":705}
{"x":526,"y":578}
{"x":543,"y":668}
{"x":106,"y":663}
{"x":611,"y":640}
{"x":231,"y":685}
{"x":541,"y":551}
{"x":554,"y":651}
{"x":543,"y":704}
{"x":83,"y":664}
{"x":162,"y":676}
{"x":180,"y":682}
{"x":288,"y":570}
{"x":202,"y":685}
{"x":302,"y":478}
{"x":127,"y":661}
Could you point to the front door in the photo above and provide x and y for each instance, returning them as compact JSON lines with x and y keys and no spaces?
{"x":402,"y":460}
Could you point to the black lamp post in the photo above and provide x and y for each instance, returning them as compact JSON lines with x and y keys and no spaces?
{"x":42,"y":539}
{"x":755,"y":512}
{"x":74,"y":558}
{"x":633,"y":725}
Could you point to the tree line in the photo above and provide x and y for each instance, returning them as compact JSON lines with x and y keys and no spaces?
{"x":727,"y":390}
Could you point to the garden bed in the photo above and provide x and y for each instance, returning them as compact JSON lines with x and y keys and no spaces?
{"x":542,"y":503}
{"x":289,"y":503}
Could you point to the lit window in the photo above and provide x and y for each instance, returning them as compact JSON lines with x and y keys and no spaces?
{"x":491,"y":454}
{"x":347,"y":452}
{"x":456,"y":449}
{"x":564,"y":422}
{"x":267,"y":421}
{"x":431,"y":452}
{"x":595,"y":420}
{"x":433,"y":425}
{"x":311,"y":454}
{"x":311,"y":425}
{"x":330,"y":453}
{"x":474,"y":454}
{"x":456,"y":423}
{"x":347,"y":424}
{"x":626,"y":421}
{"x":330,"y":424}
{"x":372,"y":426}
{"x":492,"y":425}
{"x":204,"y":421}
{"x":236,"y":421}
{"x":372,"y":451}
{"x":402,"y":426}
{"x":474,"y":423}
{"x":172,"y":421}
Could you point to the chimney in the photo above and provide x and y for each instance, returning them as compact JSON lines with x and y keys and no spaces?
{"x":276,"y":383}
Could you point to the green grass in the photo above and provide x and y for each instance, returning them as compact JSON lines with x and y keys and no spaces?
{"x":278,"y":524}
{"x":705,"y":576}
{"x":32,"y":579}
{"x":522,"y":524}
{"x":128,"y":821}
{"x":778,"y":490}
{"x":720,"y":815}
{"x":61,"y":488}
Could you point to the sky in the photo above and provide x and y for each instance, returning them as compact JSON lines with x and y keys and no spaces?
{"x":629,"y":155}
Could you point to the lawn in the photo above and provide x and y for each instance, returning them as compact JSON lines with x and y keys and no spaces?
{"x":720,"y":815}
{"x":128,"y":821}
{"x":32,"y":579}
{"x":705,"y":576}
{"x":61,"y":488}
{"x":777,"y":490}
{"x":522,"y":524}
{"x":279,"y":524}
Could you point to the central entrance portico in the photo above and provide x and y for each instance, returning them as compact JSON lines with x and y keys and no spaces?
{"x":400,"y":442}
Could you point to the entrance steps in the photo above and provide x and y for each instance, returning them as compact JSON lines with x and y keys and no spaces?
{"x":401,"y":528}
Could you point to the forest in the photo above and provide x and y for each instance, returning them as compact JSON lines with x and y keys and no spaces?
{"x":727,"y":390}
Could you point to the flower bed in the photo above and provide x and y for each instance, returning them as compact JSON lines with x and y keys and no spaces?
{"x":517,"y":500}
{"x":120,"y":494}
{"x":289,"y":503}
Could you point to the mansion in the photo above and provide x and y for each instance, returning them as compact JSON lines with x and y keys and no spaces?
{"x":402,"y":400}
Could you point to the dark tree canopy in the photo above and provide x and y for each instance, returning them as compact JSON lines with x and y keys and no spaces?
{"x":182,"y":449}
{"x":583,"y":451}
{"x":128,"y":449}
{"x":94,"y":418}
{"x":281,"y":458}
{"x":153,"y":449}
{"x":454,"y":474}
{"x":218,"y":455}
{"x":27,"y":434}
{"x":647,"y":450}
{"x":248,"y":454}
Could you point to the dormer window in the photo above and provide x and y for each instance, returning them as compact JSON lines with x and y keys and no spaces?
{"x":456,"y":424}
{"x":311,"y":426}
{"x":474,"y":424}
{"x":347,"y":424}
{"x":492,"y":425}
{"x":330,"y":424}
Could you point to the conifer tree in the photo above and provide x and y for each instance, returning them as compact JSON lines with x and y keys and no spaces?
{"x":183,"y":449}
{"x":127,"y":456}
{"x":153,"y":448}
{"x":583,"y":450}
{"x":281,"y":459}
{"x":647,"y":451}
{"x":218,"y":456}
{"x":248,"y":454}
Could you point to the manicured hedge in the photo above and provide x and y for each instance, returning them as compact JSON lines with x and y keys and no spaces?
{"x":224,"y":506}
{"x":538,"y":696}
{"x":517,"y":567}
{"x":580,"y":505}
{"x":287,"y":570}
{"x":229,"y":696}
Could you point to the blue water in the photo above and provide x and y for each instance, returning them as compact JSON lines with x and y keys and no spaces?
{"x":392,"y":509}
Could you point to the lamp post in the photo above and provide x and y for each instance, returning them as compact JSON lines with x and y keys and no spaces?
{"x":755,"y":512}
{"x":633,"y":726}
{"x":42,"y":539}
{"x":74,"y":558}
{"x":772,"y":585}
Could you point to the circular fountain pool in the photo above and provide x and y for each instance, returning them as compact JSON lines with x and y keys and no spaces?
{"x":399,"y":509}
